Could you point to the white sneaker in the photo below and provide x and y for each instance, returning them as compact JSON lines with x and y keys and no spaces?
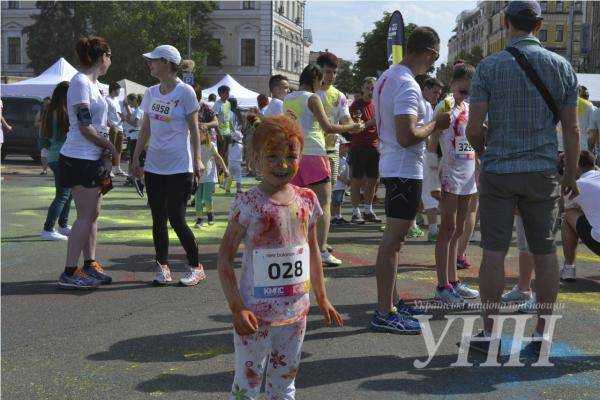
{"x":193,"y":276}
{"x":53,"y":235}
{"x":530,"y":306}
{"x":329,"y":260}
{"x":516,"y":295}
{"x":112,"y":174}
{"x":465,"y":291}
{"x":567,"y":273}
{"x":449,"y":296}
{"x":163,"y":275}
{"x":120,"y":172}
{"x":65,"y":231}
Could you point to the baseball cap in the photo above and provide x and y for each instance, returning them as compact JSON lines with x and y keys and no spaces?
{"x":528,"y":9}
{"x":165,"y":51}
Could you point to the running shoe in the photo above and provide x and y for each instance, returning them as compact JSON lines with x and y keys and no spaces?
{"x":343,"y":221}
{"x":449,"y":296}
{"x":163,"y":274}
{"x":210,"y":218}
{"x":432,"y":236}
{"x":530,"y":306}
{"x":482,"y":344}
{"x":193,"y":276}
{"x":371,"y":217}
{"x":395,"y":323}
{"x":465,"y":291}
{"x":357,"y":219}
{"x":79,"y":280}
{"x":407,"y":309}
{"x":120,"y":172}
{"x":515,"y":295}
{"x":419,"y":220}
{"x":567,"y":273}
{"x":462,"y":262}
{"x":334,"y":221}
{"x":533,"y":348}
{"x":415,"y":232}
{"x":329,"y":260}
{"x":96,"y":271}
{"x":66,"y":230}
{"x":199,"y":223}
{"x":53,"y":235}
{"x":329,"y":248}
{"x":139,"y":187}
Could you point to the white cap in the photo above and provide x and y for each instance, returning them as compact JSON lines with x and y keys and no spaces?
{"x":165,"y":51}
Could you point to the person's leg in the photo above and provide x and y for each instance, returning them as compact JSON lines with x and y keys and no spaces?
{"x":323,"y":192}
{"x":284,"y":362}
{"x":59,"y":208}
{"x":462,"y":214}
{"x":87,"y":202}
{"x":570,"y":238}
{"x":371,"y":171}
{"x":207,"y":199}
{"x":157,"y":200}
{"x":89,"y":250}
{"x":179,"y":189}
{"x":44,"y":162}
{"x":251,"y":355}
{"x":526,"y":267}
{"x":448,"y":208}
{"x":198,"y":199}
{"x":431,"y":215}
{"x":336,"y":210}
{"x":470,"y":221}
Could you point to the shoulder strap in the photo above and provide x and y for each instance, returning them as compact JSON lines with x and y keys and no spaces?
{"x":535,"y":79}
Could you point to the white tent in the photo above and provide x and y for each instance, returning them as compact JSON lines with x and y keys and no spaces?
{"x":592,"y":83}
{"x":43,"y":85}
{"x":132,"y":87}
{"x":246,"y":98}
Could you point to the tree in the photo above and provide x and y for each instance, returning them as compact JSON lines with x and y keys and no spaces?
{"x":344,"y":80}
{"x":47,"y":43}
{"x":372,"y":50}
{"x":131,"y":29}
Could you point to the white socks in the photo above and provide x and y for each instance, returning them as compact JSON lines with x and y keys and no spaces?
{"x":356,"y":211}
{"x":368,"y":208}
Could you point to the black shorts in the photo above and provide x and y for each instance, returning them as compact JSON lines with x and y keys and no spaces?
{"x":584,"y":231}
{"x":77,"y":171}
{"x":364,"y":162}
{"x":402,"y":197}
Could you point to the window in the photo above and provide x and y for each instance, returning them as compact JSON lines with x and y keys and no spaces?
{"x":14,"y":50}
{"x":248,"y":53}
{"x":577,"y":35}
{"x":544,"y":6}
{"x":287,"y":58}
{"x":543,"y":35}
{"x":211,"y":59}
{"x":559,"y":7}
{"x":577,"y":6}
{"x":559,"y":33}
{"x":281,"y":56}
{"x":13,"y":5}
{"x":248,"y":5}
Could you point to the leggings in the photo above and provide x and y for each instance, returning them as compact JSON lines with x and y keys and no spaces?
{"x":168,"y":196}
{"x":204,"y":195}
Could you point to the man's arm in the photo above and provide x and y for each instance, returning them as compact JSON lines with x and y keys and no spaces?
{"x":476,"y":127}
{"x":570,"y":128}
{"x":408,"y":134}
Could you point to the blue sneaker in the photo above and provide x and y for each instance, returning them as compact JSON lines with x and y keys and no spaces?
{"x":407,"y":309}
{"x":395,"y":323}
{"x":96,"y":271}
{"x":79,"y":280}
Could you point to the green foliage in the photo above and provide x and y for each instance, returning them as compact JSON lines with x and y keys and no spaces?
{"x":372,"y":50}
{"x":344,"y":80}
{"x":131,"y":29}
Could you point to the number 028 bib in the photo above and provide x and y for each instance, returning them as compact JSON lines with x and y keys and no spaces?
{"x":281,"y":272}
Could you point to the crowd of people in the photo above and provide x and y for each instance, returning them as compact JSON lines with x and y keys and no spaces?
{"x":486,"y":150}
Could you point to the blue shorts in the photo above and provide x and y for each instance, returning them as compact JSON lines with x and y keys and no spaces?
{"x":337,"y":197}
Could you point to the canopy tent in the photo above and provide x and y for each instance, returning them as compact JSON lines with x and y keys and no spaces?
{"x":246,"y":98}
{"x":132,"y":87}
{"x":43,"y":85}
{"x":592,"y":83}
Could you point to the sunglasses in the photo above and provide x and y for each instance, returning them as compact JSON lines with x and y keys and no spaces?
{"x":437,"y":53}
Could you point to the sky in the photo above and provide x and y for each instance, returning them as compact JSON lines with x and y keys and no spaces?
{"x":338,"y":25}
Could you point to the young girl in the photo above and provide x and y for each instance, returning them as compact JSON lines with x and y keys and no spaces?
{"x":206,"y":186}
{"x":277,"y":223}
{"x":457,"y":177}
{"x":235,"y":152}
{"x":132,"y":120}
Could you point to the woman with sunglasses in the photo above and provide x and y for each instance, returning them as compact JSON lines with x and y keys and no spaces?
{"x":459,"y":189}
{"x":173,"y":161}
{"x":80,"y":163}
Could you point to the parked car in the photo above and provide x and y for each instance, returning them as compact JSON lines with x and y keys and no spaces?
{"x":20,"y":113}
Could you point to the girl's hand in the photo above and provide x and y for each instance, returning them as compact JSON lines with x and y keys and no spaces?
{"x":198,"y":168}
{"x":330,"y":313}
{"x":245,"y":322}
{"x":226,"y":172}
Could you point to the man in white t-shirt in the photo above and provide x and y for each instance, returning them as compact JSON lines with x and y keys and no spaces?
{"x":582,"y":216}
{"x":115,"y":126}
{"x":399,"y":113}
{"x":279,"y":87}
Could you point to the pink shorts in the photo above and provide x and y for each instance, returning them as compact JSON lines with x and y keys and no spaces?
{"x":313,"y":169}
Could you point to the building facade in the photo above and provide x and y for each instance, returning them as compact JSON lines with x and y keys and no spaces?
{"x":16,"y":15}
{"x":561,"y":30}
{"x":259,"y":39}
{"x":590,"y":40}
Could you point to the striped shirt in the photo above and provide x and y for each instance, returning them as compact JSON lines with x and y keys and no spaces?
{"x":521,"y":133}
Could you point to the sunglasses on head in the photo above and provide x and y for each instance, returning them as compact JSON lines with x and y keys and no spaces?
{"x":437,"y":53}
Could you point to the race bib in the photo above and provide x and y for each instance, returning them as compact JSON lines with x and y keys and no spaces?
{"x":281,"y":272}
{"x":161,"y":110}
{"x":463,"y":149}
